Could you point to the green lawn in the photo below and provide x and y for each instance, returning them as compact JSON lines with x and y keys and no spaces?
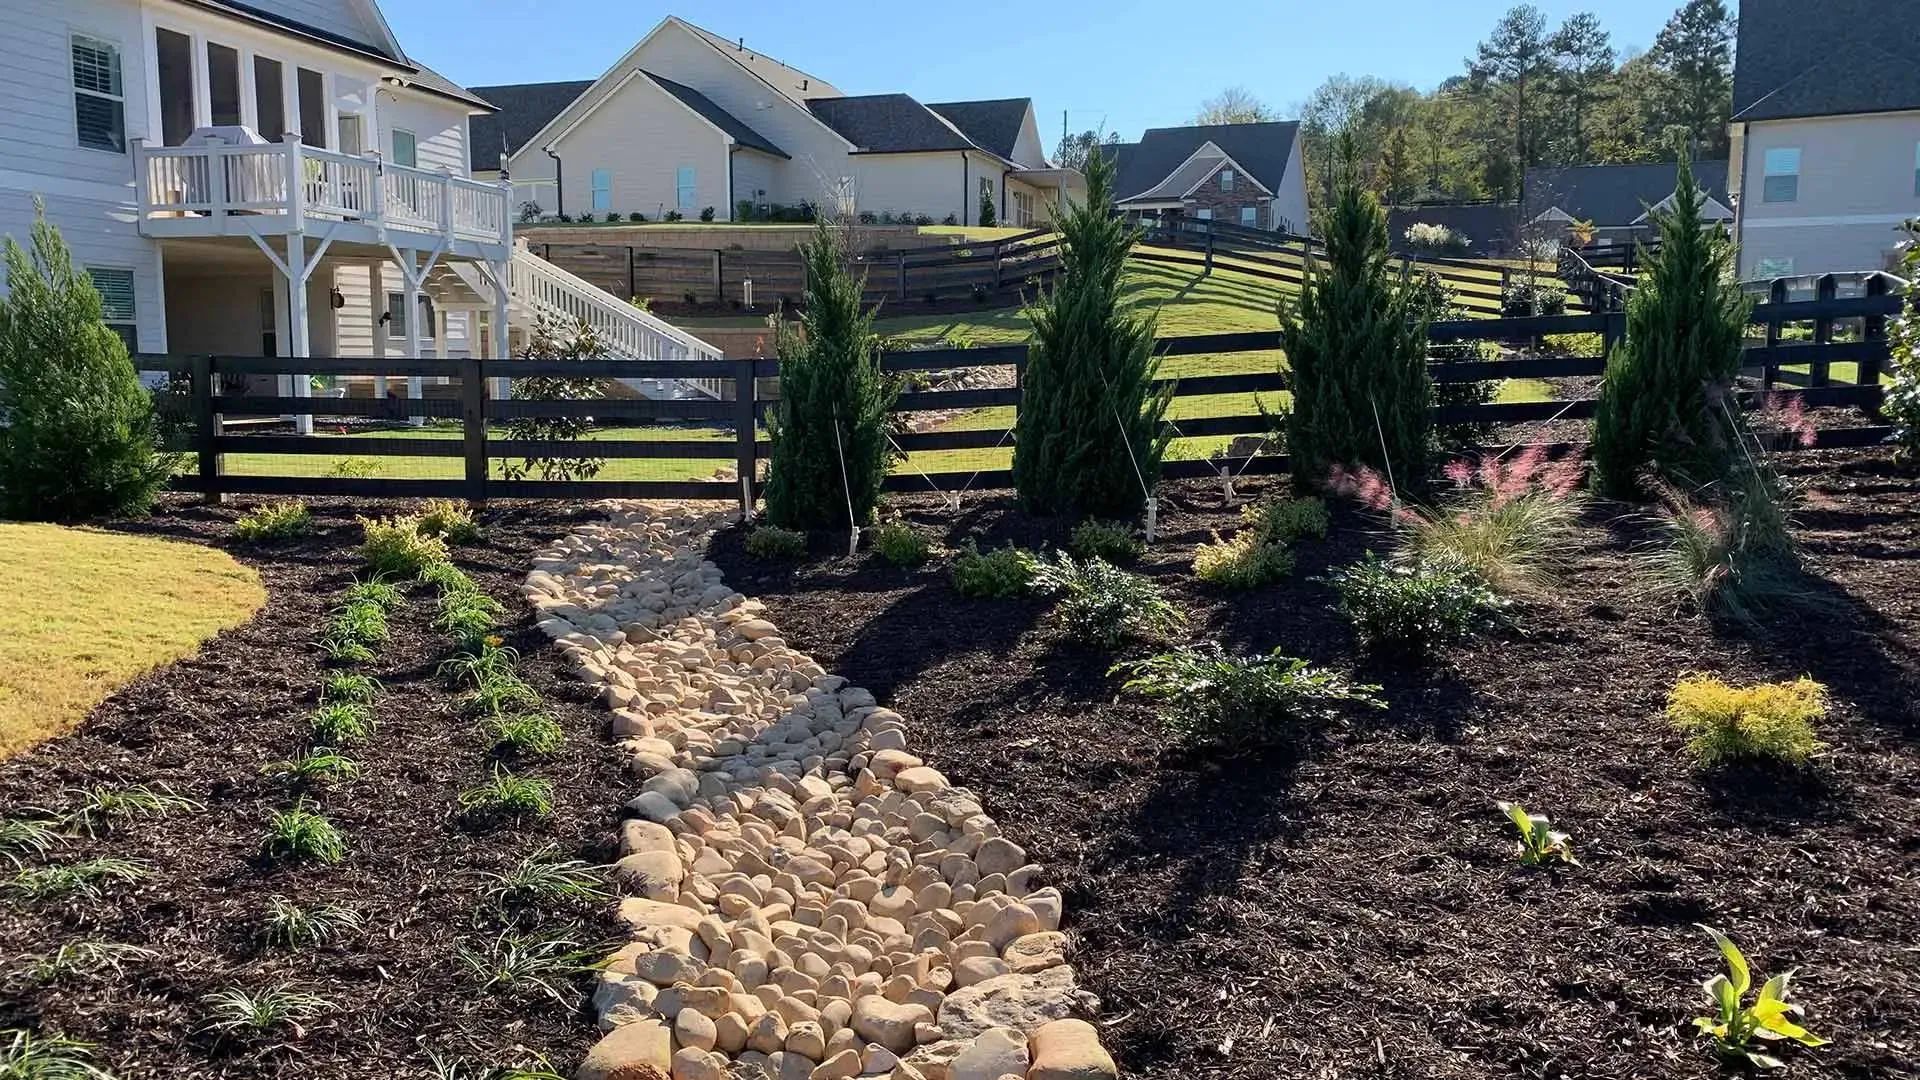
{"x":347,"y":463}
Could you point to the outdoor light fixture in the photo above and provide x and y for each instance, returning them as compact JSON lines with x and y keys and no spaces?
{"x":335,"y":299}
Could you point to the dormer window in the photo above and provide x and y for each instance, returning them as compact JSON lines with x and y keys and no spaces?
{"x":1226,"y":179}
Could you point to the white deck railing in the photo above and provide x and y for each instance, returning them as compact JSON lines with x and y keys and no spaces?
{"x":625,"y":330}
{"x":210,"y":182}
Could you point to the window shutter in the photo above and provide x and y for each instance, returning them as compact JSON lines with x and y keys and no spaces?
{"x":116,"y":294}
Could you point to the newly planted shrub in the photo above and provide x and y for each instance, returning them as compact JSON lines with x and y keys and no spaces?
{"x":901,"y":544}
{"x":395,"y":547}
{"x":101,"y":807}
{"x":295,"y":927}
{"x":497,"y":694}
{"x":1112,"y":541}
{"x":274,"y":523}
{"x":375,"y":592}
{"x":507,"y":795}
{"x":518,"y":963}
{"x":1732,"y":557}
{"x":1247,"y":561}
{"x":27,"y":836}
{"x":446,"y":579}
{"x":555,"y":340}
{"x":1006,"y":571}
{"x":26,"y":1056}
{"x":1103,"y":604}
{"x":774,"y":542}
{"x":1902,"y":401}
{"x":338,"y":723}
{"x":474,"y":667}
{"x":1768,"y":721}
{"x":81,"y":881}
{"x":450,"y":521}
{"x":543,"y":879}
{"x":317,"y":767}
{"x":359,"y":621}
{"x":1737,"y":1028}
{"x":526,"y":734}
{"x":470,"y":617}
{"x":300,"y":833}
{"x":1286,"y":520}
{"x":345,"y":650}
{"x":1415,"y":607}
{"x":1209,"y":696}
{"x":240,"y":1014}
{"x":81,"y":958}
{"x":348,"y":688}
{"x":1539,"y":842}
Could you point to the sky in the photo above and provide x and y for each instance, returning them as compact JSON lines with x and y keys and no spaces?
{"x":1115,"y":65}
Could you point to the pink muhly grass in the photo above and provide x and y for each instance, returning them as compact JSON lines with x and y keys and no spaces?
{"x":1787,"y":413}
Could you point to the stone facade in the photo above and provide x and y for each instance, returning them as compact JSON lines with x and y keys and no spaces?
{"x":1226,"y":205}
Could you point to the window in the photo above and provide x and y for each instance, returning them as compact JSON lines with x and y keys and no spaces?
{"x":1776,"y":267}
{"x":351,"y":140}
{"x":312,"y":88}
{"x":397,"y":306}
{"x":405,"y":149}
{"x":603,"y":190}
{"x":1250,"y":216}
{"x":99,"y":100}
{"x":173,"y":60}
{"x":683,"y":182}
{"x":116,"y":302}
{"x":269,"y":99}
{"x":1226,"y":179}
{"x":223,"y":85}
{"x":1782,"y":180}
{"x":1204,"y":214}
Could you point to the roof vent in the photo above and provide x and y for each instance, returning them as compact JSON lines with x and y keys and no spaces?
{"x":741,"y":45}
{"x":803,"y":84}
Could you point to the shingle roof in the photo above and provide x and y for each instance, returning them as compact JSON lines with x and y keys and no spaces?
{"x":525,"y":108}
{"x":717,"y":116}
{"x":993,"y":126}
{"x":887,"y":124}
{"x":1613,"y":196}
{"x":1845,"y":56}
{"x":1262,"y":149}
{"x":428,"y":79}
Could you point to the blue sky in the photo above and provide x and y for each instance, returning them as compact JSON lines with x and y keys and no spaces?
{"x":1124,"y":64}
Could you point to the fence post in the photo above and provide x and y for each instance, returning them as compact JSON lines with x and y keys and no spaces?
{"x":1821,"y":371}
{"x":1209,"y":228}
{"x":206,"y":429}
{"x":902,"y":272}
{"x":1612,"y":332}
{"x":1873,"y":332}
{"x":633,"y":287}
{"x":719,"y":276}
{"x":1770,"y":371}
{"x":744,"y":423}
{"x":473,"y":419}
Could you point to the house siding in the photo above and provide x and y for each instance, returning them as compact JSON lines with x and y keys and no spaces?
{"x":932,"y":183}
{"x":1857,"y":185}
{"x":753,"y":172}
{"x":99,"y":233}
{"x":1028,"y":151}
{"x":642,"y":136}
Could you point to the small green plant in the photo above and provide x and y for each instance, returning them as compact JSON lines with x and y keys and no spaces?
{"x":1733,"y":556}
{"x":274,"y":523}
{"x":290,"y":925}
{"x":446,"y":578}
{"x":1247,"y":561}
{"x":300,"y":833}
{"x":774,"y":542}
{"x":1286,"y":520}
{"x":360,"y":621}
{"x":26,"y":1056}
{"x":1209,"y":696}
{"x":353,"y":468}
{"x":395,"y":547}
{"x":450,"y":521}
{"x":497,"y":694}
{"x":474,"y":667}
{"x":468,"y":616}
{"x":81,"y":958}
{"x":528,"y":734}
{"x":317,"y":767}
{"x":83,"y":880}
{"x":1737,"y":1027}
{"x":338,"y":723}
{"x":992,"y":575}
{"x":339,"y":650}
{"x":374,"y":591}
{"x":101,"y":807}
{"x":524,"y":963}
{"x":1109,"y":540}
{"x":543,"y":879}
{"x":507,"y":795}
{"x":1103,"y":604}
{"x":901,"y":544}
{"x":1417,"y":607}
{"x":240,"y":1014}
{"x":1768,"y":721}
{"x":1539,"y":843}
{"x":27,"y":836}
{"x":349,"y":688}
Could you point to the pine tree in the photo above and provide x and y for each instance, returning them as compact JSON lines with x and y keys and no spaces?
{"x":1666,"y":405}
{"x":1356,"y":342}
{"x":78,"y":433}
{"x":1087,"y":438}
{"x":830,"y":428}
{"x":987,"y":218}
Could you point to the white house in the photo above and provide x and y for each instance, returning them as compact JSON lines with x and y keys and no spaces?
{"x":688,"y":121}
{"x":246,"y":181}
{"x":1244,"y":174}
{"x":1825,"y":134}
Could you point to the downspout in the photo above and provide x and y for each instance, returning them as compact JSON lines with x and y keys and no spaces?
{"x":1000,"y":208}
{"x":731,"y":150}
{"x":1737,"y":183}
{"x":559,"y":188}
{"x":965,"y":183}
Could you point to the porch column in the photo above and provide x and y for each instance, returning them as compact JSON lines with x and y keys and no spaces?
{"x":497,"y":325}
{"x":377,"y":306}
{"x":411,"y":272}
{"x":439,"y":351}
{"x":297,"y":317}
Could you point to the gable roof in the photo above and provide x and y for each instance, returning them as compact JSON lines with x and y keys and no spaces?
{"x":1261,"y":150}
{"x":715,"y":115}
{"x":524,"y":108}
{"x":1192,"y":173}
{"x":1849,"y":56}
{"x":992,"y":125}
{"x":888,"y":124}
{"x":1613,"y":196}
{"x":781,"y":76}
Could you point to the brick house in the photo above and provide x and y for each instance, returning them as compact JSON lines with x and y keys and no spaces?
{"x":1244,"y":174}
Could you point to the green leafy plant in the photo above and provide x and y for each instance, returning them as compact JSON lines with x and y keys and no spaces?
{"x":901,"y":544}
{"x":359,"y":621}
{"x":498,"y":693}
{"x":446,"y":578}
{"x":81,"y":958}
{"x":1730,"y":554}
{"x":1766,"y":721}
{"x":79,"y":435}
{"x":551,"y":340}
{"x":1112,"y":541}
{"x":348,"y":688}
{"x":317,"y":767}
{"x":101,"y":807}
{"x":26,"y":1056}
{"x":240,"y":1014}
{"x":340,"y":650}
{"x":83,"y":880}
{"x":518,"y":963}
{"x":1539,"y":843}
{"x":507,"y":795}
{"x":300,"y":833}
{"x":1286,"y":520}
{"x":375,"y":592}
{"x":830,"y":428}
{"x":992,"y":575}
{"x":543,"y":879}
{"x":290,"y":925}
{"x":338,"y":723}
{"x":1209,"y":696}
{"x":491,"y":660}
{"x":450,"y":521}
{"x":1901,"y":402}
{"x":27,"y":836}
{"x":1103,"y":604}
{"x":274,"y":523}
{"x":395,"y":547}
{"x":1413,"y":608}
{"x":470,"y":617}
{"x":1247,"y":561}
{"x":1087,"y":436}
{"x":525,"y":734}
{"x":1738,"y":1028}
{"x":774,"y":542}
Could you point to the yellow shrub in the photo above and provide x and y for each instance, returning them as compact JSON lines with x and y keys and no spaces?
{"x":1247,"y":561}
{"x":1767,"y":720}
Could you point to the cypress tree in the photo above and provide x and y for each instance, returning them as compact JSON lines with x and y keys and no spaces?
{"x":1088,"y":433}
{"x":1357,"y":345}
{"x":829,"y":429}
{"x":78,"y":433}
{"x":986,"y":208}
{"x":1666,"y":405}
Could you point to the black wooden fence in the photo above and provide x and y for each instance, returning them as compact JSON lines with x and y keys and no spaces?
{"x":1807,"y":368}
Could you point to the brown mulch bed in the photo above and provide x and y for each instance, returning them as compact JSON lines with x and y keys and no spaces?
{"x":1351,"y":907}
{"x":206,"y":726}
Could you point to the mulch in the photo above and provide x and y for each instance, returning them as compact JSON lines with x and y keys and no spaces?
{"x":206,"y":726}
{"x":1348,"y":905}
